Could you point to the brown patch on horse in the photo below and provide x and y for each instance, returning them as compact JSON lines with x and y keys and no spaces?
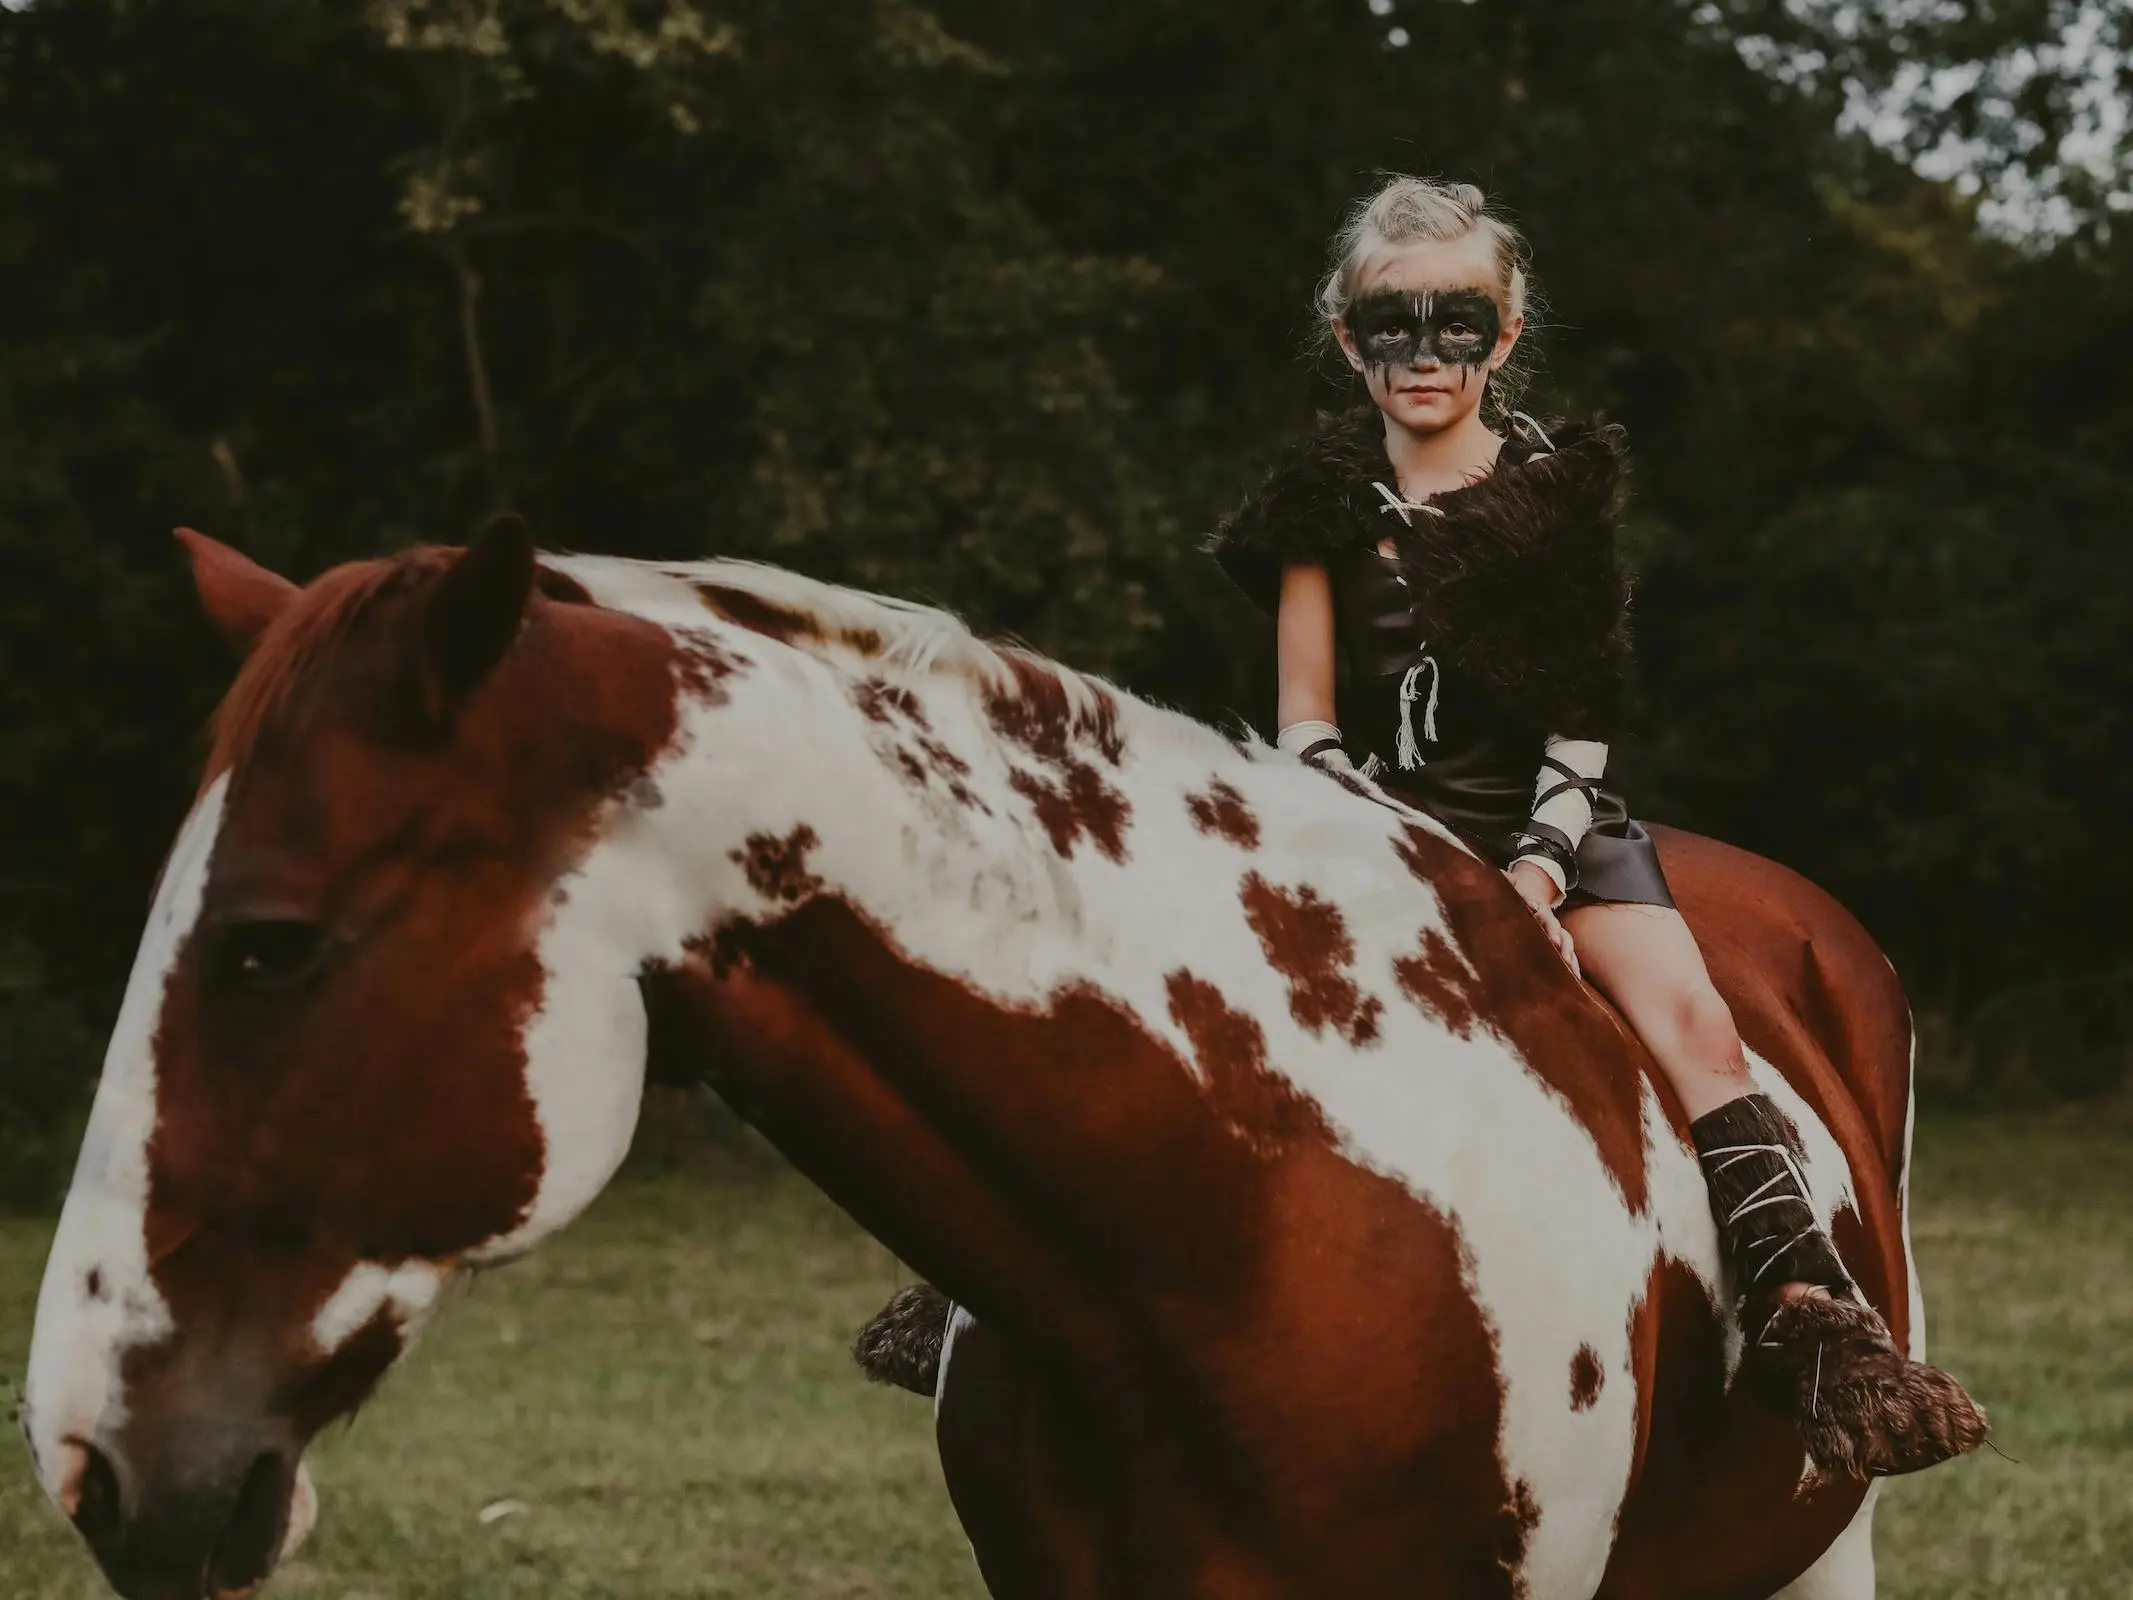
{"x":745,"y":609}
{"x":921,"y":757}
{"x":1587,"y":1378}
{"x":776,"y":865}
{"x":1262,"y":1105}
{"x":1523,"y":1515}
{"x":561,"y":587}
{"x":1306,"y":940}
{"x":1039,"y":712}
{"x":1081,"y":806}
{"x":881,"y":701}
{"x":1055,"y":1166}
{"x":1439,"y":982}
{"x":702,"y":666}
{"x":1567,"y":1039}
{"x":1073,"y":800}
{"x":1219,"y":810}
{"x":757,"y":615}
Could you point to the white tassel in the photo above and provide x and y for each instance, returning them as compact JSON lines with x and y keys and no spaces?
{"x":1408,"y":751}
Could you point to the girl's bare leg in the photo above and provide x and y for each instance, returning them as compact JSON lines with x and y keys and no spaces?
{"x":1646,"y":961}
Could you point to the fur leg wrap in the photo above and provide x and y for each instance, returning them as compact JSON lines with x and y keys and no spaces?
{"x":1755,"y":1167}
{"x":1863,"y":1407}
{"x":902,"y":1344}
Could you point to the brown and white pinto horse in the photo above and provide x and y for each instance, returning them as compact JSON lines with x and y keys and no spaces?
{"x":1323,"y":1236}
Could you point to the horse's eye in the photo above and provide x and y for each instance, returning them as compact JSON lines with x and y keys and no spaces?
{"x":272,"y":952}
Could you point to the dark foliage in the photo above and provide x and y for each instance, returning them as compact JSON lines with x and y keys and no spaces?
{"x":1004,"y":304}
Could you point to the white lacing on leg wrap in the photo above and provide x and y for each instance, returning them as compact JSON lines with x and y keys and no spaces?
{"x":1752,"y":1201}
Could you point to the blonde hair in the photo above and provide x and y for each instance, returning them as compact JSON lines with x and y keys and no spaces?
{"x":1405,"y":210}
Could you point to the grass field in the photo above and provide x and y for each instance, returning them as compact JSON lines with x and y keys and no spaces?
{"x":665,"y":1397}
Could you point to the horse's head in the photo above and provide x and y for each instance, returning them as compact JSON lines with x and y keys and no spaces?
{"x":351,"y":1063}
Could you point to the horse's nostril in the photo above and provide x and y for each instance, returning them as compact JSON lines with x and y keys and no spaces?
{"x":246,"y":1552}
{"x":95,"y":1500}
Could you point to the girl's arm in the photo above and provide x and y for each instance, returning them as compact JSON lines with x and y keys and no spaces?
{"x":1562,"y":808}
{"x":1303,"y":634}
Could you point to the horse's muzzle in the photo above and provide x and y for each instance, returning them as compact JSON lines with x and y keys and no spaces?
{"x":205,"y":1524}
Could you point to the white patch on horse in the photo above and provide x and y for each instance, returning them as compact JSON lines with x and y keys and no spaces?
{"x":585,"y":1043}
{"x":959,"y":1322}
{"x":407,"y":1293}
{"x":1916,"y":1341}
{"x":98,"y":1300}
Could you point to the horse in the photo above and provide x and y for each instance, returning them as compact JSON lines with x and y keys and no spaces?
{"x":1315,"y":1231}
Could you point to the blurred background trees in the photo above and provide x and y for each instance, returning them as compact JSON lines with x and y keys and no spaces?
{"x":1001,"y":303}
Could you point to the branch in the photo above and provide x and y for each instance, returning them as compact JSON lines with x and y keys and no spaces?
{"x":477,"y":364}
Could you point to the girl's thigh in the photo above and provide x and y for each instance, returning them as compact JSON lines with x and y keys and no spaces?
{"x":1637,"y":953}
{"x":1645,"y":959}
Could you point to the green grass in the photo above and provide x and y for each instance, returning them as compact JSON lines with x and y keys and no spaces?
{"x":666,"y":1393}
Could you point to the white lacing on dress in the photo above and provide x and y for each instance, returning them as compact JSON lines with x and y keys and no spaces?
{"x":1402,"y":507}
{"x":1408,"y":750}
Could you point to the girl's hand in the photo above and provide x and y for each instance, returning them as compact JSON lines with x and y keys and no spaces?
{"x":1537,"y":889}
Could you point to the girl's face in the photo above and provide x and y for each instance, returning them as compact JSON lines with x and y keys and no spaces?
{"x":1425,"y":331}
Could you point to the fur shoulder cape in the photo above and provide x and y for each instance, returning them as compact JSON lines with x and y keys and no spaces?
{"x":1516,"y":583}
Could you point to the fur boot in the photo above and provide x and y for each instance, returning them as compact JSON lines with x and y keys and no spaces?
{"x":902,"y":1343}
{"x":1828,"y":1362}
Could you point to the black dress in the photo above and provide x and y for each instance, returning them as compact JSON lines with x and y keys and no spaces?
{"x":1500,"y":619}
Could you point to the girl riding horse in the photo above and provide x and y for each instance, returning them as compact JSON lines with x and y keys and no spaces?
{"x":1456,"y":560}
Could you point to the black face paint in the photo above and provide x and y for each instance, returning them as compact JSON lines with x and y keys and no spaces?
{"x":1408,"y":327}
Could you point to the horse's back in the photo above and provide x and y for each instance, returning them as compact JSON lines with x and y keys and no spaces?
{"x":1713,"y":1504}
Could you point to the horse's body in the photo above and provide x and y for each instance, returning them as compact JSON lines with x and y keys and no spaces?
{"x":1680,"y":1490}
{"x":1324,"y":1237}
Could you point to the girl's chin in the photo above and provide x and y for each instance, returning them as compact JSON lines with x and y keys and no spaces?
{"x":1421,"y":410}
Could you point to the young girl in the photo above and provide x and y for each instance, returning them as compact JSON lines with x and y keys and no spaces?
{"x":1467,"y":580}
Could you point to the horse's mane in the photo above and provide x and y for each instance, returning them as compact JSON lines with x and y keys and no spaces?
{"x":899,"y":636}
{"x":809,"y":613}
{"x":315,"y":622}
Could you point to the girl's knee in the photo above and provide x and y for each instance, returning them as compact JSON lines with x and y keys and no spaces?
{"x":1703,"y":1025}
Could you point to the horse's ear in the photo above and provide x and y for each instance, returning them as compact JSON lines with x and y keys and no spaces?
{"x":472,"y":612}
{"x":239,"y":596}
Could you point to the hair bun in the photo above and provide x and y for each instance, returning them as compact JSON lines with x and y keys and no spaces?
{"x":1469,"y":197}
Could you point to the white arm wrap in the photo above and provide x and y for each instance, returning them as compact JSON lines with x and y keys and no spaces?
{"x":1298,"y":737}
{"x":1559,"y":806}
{"x":1569,"y":812}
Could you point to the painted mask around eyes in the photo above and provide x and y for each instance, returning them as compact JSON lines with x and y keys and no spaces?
{"x":1408,"y":327}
